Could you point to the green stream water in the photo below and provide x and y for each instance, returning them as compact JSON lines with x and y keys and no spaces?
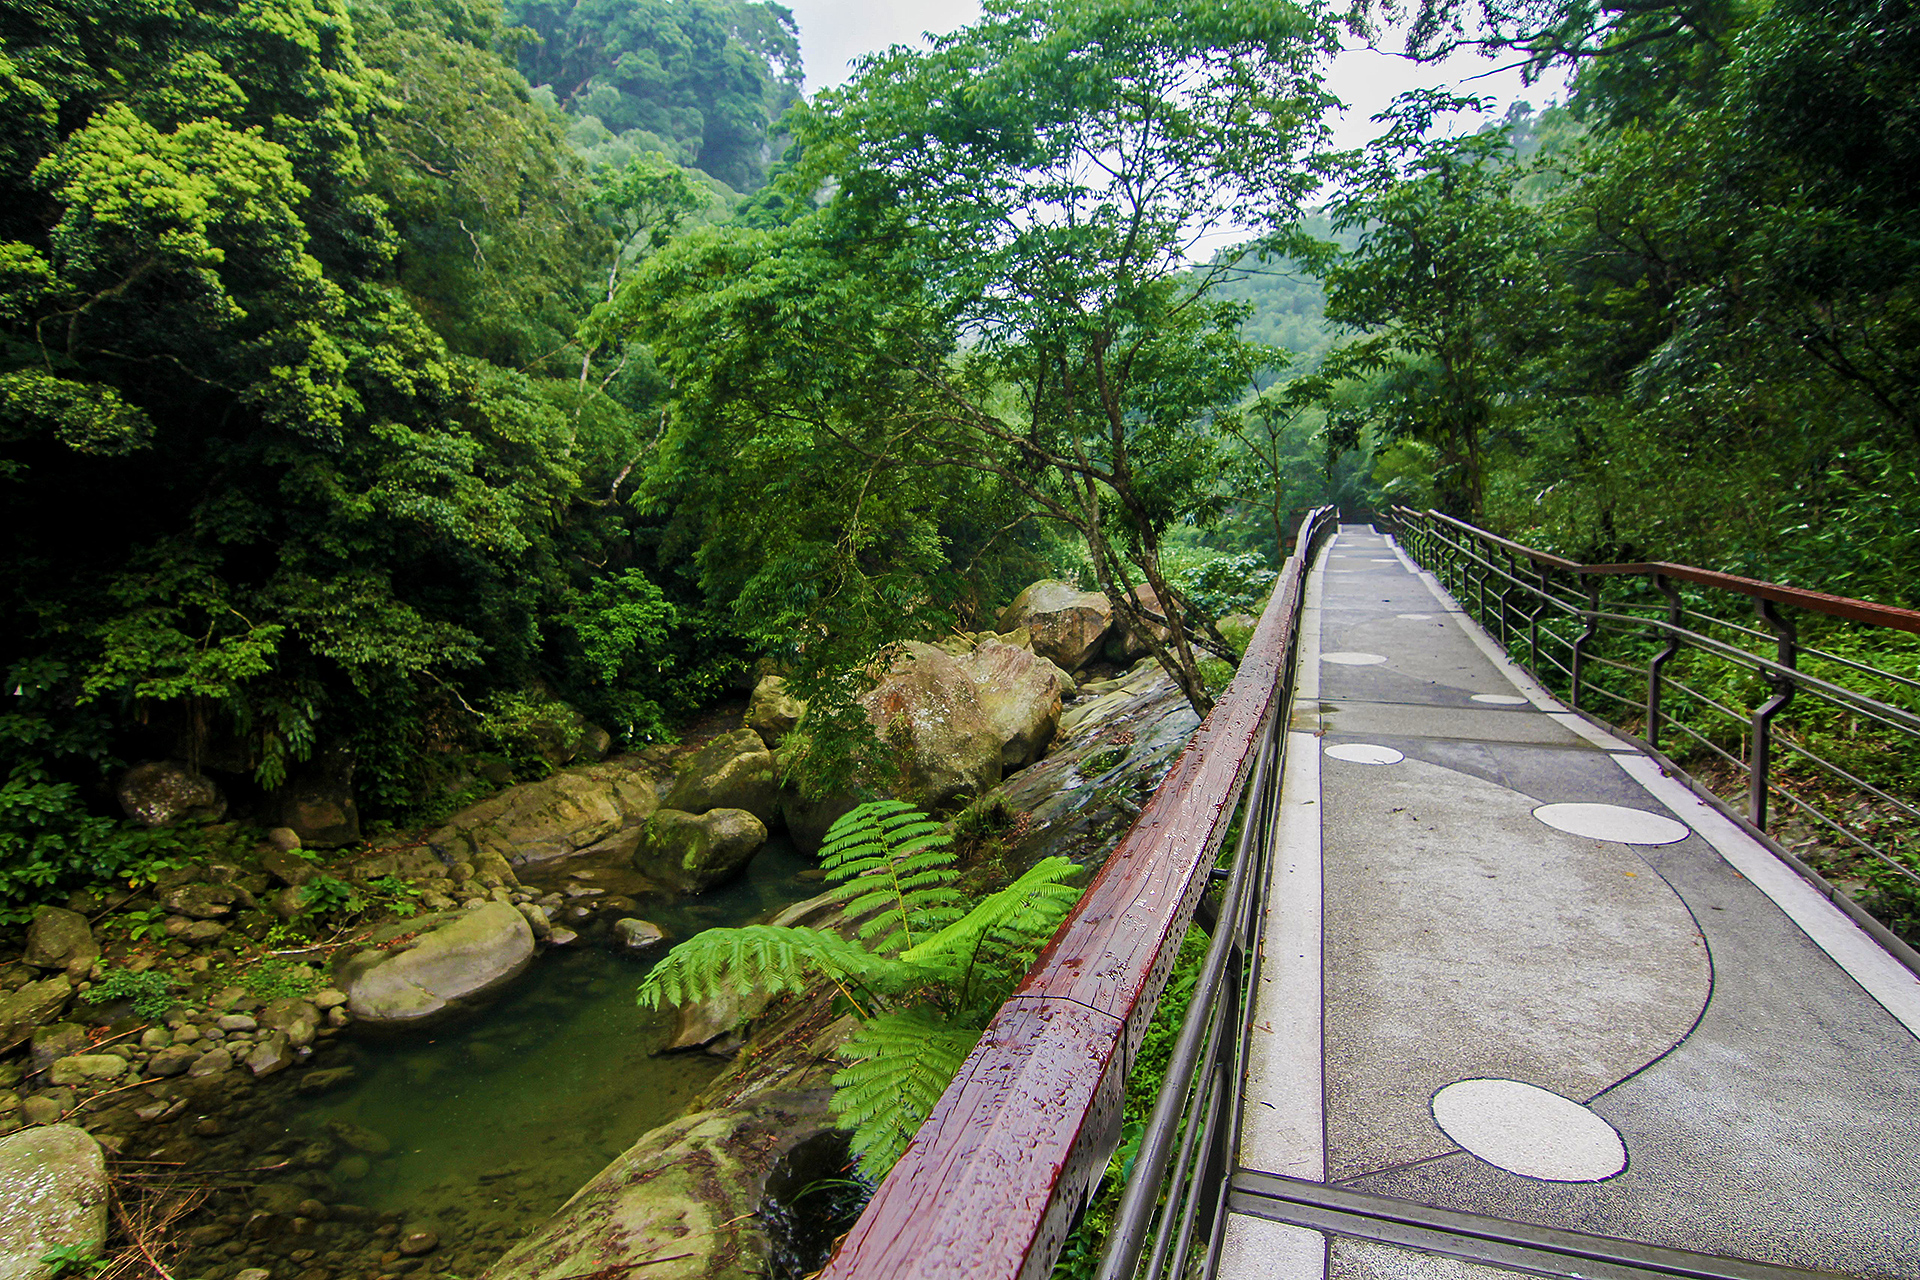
{"x":494,"y":1122}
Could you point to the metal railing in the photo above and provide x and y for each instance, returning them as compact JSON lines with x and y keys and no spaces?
{"x":994,"y":1180}
{"x":1178,"y":1190}
{"x":1652,"y":655}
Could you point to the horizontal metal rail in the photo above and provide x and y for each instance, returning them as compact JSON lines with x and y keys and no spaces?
{"x":992,"y":1183}
{"x":1486,"y":574}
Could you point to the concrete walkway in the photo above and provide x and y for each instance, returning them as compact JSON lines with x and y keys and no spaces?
{"x":1512,"y":972}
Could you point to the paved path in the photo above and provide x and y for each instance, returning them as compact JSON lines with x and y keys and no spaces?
{"x":1511,"y":971}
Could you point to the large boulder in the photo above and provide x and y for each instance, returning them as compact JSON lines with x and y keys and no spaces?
{"x":53,"y":1192}
{"x":734,"y":771}
{"x":457,"y":958}
{"x":1020,"y":695}
{"x":773,"y":712}
{"x":693,"y":851}
{"x":1066,"y":624}
{"x":61,"y":939}
{"x":32,"y":1006}
{"x":162,"y":793}
{"x":927,"y":709}
{"x":573,"y":811}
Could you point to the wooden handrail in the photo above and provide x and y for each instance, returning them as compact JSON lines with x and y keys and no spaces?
{"x":1882,"y":615}
{"x":989,"y":1187}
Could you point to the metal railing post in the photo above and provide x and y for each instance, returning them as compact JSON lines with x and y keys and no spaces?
{"x":1762,"y":758}
{"x":1585,"y":638}
{"x":1666,"y":588}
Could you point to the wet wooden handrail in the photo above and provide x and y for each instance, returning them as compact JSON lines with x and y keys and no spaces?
{"x":990,"y":1186}
{"x":1883,"y":615}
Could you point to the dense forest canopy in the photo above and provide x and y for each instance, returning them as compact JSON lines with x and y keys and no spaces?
{"x":383,"y":382}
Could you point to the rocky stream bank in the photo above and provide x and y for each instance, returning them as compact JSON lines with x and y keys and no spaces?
{"x":252,"y":1051}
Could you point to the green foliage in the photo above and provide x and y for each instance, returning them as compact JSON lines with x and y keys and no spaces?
{"x":326,"y":895}
{"x":271,"y":978}
{"x":64,"y":1260}
{"x":151,"y":992}
{"x":923,"y":974}
{"x":1227,"y":584}
{"x":699,"y":80}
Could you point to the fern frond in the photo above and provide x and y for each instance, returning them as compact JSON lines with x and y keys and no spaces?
{"x":762,"y":957}
{"x":1025,"y":912}
{"x":904,"y":1061}
{"x":889,"y":857}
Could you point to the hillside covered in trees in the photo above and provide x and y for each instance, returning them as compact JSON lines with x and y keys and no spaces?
{"x":386,"y":386}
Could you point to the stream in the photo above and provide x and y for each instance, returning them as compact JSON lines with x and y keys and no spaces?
{"x":478,"y":1130}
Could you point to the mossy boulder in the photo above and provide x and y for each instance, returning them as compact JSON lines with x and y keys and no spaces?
{"x":773,"y":711}
{"x":694,"y":851}
{"x":734,"y":771}
{"x":422,"y":970}
{"x":573,"y":811}
{"x":53,"y":1192}
{"x":61,"y":939}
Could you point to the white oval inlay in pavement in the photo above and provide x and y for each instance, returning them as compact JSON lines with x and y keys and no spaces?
{"x":1500,"y":699}
{"x":1611,"y":822}
{"x":1415,"y":617}
{"x":1365,"y":753}
{"x":1385,"y":560}
{"x":1528,"y":1130}
{"x":1353,"y":659}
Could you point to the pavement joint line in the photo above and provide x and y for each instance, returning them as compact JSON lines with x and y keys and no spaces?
{"x":1891,"y":984}
{"x":1472,"y":1237}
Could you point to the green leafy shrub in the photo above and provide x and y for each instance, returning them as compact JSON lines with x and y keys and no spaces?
{"x":924,"y":971}
{"x":273,"y":978}
{"x":151,"y":992}
{"x":326,"y":895}
{"x":1226,"y":584}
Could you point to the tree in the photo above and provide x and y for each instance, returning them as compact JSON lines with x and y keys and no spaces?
{"x":998,"y":281}
{"x":1442,"y":274}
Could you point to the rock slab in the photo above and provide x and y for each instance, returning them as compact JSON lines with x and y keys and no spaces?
{"x":53,"y":1191}
{"x":458,"y":957}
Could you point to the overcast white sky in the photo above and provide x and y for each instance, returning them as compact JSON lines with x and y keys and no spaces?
{"x":834,"y":32}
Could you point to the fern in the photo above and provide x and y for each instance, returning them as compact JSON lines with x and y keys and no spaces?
{"x":770,"y":958}
{"x":902,"y":1063}
{"x":890,"y":856}
{"x":945,"y":968}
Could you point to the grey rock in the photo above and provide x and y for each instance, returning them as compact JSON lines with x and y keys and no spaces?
{"x":284,"y":839}
{"x":161,"y":793}
{"x":61,"y":939}
{"x":57,"y":1040}
{"x":1020,"y":695}
{"x":563,"y":937}
{"x":321,"y":1079}
{"x":87,"y":1069}
{"x":327,"y":999}
{"x":927,"y":708}
{"x":639,"y":935}
{"x":253,"y":1273}
{"x":211,"y":1063}
{"x":415,"y":1243}
{"x":272,"y":1054}
{"x":156,"y":1038}
{"x":282,"y":1014}
{"x":317,"y":803}
{"x":690,"y":852}
{"x":537,"y":921}
{"x":1066,"y":624}
{"x":459,"y":957}
{"x":288,"y":867}
{"x":201,"y":901}
{"x":734,"y":771}
{"x":360,"y":1138}
{"x":53,"y":1192}
{"x":237,"y":1022}
{"x":773,"y":712}
{"x":41,"y":1109}
{"x":538,"y":821}
{"x":173,"y":1061}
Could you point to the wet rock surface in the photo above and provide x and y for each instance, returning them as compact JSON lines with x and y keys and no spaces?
{"x":423,"y":969}
{"x":53,"y":1192}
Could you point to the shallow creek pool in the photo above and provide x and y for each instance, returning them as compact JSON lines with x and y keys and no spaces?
{"x":478,"y":1130}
